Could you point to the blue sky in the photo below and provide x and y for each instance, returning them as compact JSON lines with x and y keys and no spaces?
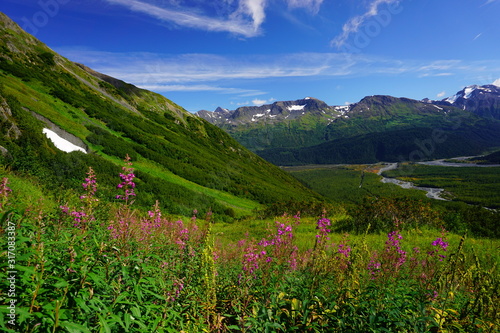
{"x":229,"y":53}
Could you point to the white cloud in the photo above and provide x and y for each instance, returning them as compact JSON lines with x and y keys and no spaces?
{"x":440,"y":66}
{"x":354,"y":24}
{"x":259,"y":102}
{"x":497,"y":82}
{"x":441,"y":94}
{"x":254,"y":8}
{"x":237,"y":22}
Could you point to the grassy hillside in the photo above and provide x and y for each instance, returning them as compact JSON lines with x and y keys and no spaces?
{"x":179,"y":158}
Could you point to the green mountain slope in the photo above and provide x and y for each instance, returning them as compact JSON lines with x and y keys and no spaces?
{"x":180,"y":159}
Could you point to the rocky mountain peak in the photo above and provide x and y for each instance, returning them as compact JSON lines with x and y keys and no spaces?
{"x":277,"y":111}
{"x":481,"y":100}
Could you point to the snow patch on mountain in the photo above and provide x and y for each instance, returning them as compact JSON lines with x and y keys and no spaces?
{"x":296,"y":107}
{"x":60,"y":143}
{"x":468,"y":91}
{"x":496,"y":82}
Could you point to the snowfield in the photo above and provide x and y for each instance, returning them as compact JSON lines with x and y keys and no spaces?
{"x":60,"y":143}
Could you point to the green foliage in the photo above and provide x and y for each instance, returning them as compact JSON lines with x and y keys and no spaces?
{"x":127,"y":271}
{"x":302,"y":208}
{"x":378,"y":215}
{"x":392,"y":146}
{"x":47,"y":58}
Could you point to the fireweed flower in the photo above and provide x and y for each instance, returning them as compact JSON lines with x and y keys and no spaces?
{"x":178,"y":287}
{"x":439,"y":244}
{"x":251,"y":260}
{"x":90,"y":186}
{"x":393,"y":249}
{"x":323,"y":227}
{"x":280,"y":246}
{"x":344,"y":249}
{"x":127,"y":184}
{"x":85,"y":214}
{"x":4,"y":191}
{"x":374,"y":266}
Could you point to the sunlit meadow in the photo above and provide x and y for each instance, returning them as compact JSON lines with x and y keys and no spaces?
{"x":90,"y":266}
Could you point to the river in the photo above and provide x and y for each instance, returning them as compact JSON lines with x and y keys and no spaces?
{"x":458,"y":164}
{"x":432,"y":192}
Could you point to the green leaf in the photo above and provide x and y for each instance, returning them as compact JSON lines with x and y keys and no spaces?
{"x":104,"y":324}
{"x":82,"y":304}
{"x":154,"y":294}
{"x":61,"y":284}
{"x":136,"y":312}
{"x":127,"y":318}
{"x":74,"y":327}
{"x":138,"y":292}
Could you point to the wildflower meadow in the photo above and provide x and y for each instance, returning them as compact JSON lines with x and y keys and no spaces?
{"x":92,"y":266}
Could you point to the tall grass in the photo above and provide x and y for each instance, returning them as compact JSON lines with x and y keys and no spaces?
{"x":95,"y":267}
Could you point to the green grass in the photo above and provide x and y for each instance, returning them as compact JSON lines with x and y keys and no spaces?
{"x":34,"y":97}
{"x":29,"y":192}
{"x":242,"y":206}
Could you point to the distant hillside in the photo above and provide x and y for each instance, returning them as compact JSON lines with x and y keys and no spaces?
{"x":394,"y":146}
{"x":180,"y":159}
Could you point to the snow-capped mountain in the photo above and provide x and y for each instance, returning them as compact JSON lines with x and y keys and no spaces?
{"x":275,"y":112}
{"x":481,"y":100}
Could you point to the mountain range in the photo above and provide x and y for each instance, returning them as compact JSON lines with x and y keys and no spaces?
{"x":377,"y":128}
{"x":180,"y":159}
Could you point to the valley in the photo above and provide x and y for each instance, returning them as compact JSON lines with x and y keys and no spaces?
{"x":120,"y":211}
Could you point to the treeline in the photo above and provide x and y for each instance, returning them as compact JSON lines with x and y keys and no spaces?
{"x":396,"y":146}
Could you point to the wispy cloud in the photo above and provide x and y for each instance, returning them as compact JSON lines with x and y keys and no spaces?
{"x":149,"y":68}
{"x":311,"y":5}
{"x":441,"y":94}
{"x":488,"y":2}
{"x":244,"y":21}
{"x":239,"y":17}
{"x":229,"y":74}
{"x":201,"y":87}
{"x":353,"y":25}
